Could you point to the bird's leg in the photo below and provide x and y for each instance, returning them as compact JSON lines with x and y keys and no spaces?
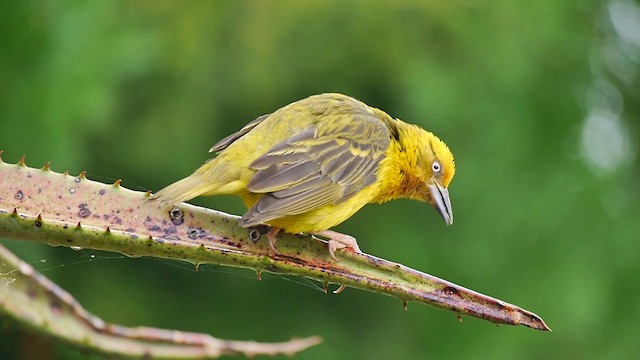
{"x":339,"y":241}
{"x":272,"y":236}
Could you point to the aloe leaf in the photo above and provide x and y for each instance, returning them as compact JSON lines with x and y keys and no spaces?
{"x":59,"y":209}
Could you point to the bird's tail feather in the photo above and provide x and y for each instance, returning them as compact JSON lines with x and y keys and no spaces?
{"x":184,"y":190}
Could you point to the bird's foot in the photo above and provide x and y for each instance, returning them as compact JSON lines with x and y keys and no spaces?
{"x":339,"y":241}
{"x":272,"y":236}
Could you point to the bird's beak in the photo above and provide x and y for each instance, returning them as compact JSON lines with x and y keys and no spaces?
{"x":441,"y":202}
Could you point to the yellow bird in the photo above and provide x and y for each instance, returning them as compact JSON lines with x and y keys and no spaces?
{"x":314,"y":163}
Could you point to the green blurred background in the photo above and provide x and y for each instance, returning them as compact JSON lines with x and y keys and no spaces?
{"x":538,"y":100}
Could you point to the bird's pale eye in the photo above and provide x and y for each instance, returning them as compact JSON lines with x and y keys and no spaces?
{"x":436,"y":167}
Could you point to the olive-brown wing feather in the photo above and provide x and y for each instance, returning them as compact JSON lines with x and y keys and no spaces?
{"x":224,"y":143}
{"x":324,"y":164}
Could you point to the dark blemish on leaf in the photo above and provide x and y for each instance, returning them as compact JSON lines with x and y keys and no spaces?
{"x":59,"y":196}
{"x":56,"y":307}
{"x":19,"y":195}
{"x":39,"y":190}
{"x":77,"y":180}
{"x":29,"y":175}
{"x":195,"y":233}
{"x":117,"y":220}
{"x":69,"y":240}
{"x":102,"y":192}
{"x":38,"y":223}
{"x":72,"y":191}
{"x":154,"y":228}
{"x":254,"y":234}
{"x":65,"y":226}
{"x":131,"y":230}
{"x":147,"y":219}
{"x":84,"y":211}
{"x":170,"y":230}
{"x":32,"y":292}
{"x":106,"y":216}
{"x":177,"y":216}
{"x":449,"y":290}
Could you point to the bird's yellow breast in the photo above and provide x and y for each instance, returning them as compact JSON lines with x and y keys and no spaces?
{"x":320,"y":219}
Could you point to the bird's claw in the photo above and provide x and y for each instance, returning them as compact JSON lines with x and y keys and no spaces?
{"x":339,"y":241}
{"x":272,"y":236}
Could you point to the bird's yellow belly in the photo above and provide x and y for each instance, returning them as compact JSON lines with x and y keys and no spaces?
{"x":319,"y":219}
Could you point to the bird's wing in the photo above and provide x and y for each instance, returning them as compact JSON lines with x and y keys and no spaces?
{"x":224,"y":143}
{"x":324,"y":164}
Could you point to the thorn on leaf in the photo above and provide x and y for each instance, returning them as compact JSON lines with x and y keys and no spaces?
{"x":325,"y":287}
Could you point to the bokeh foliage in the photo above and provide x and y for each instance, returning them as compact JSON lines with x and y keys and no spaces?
{"x":139,"y":90}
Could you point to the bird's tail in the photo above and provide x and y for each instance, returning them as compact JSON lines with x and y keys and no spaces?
{"x":184,"y":190}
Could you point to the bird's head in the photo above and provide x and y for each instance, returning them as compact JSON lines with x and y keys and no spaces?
{"x":439,"y":167}
{"x":418,"y":166}
{"x":430,"y":170}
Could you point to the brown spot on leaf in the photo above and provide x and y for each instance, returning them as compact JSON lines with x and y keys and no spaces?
{"x":195,"y":233}
{"x":19,"y":195}
{"x":84,"y":211}
{"x":177,"y":216}
{"x":449,"y":290}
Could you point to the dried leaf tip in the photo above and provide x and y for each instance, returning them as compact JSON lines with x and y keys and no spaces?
{"x":79,"y":226}
{"x":66,"y":173}
{"x":22,"y":161}
{"x":47,"y":166}
{"x":83,"y":175}
{"x":108,"y":230}
{"x":117,"y":183}
{"x":15,"y":212}
{"x":148,"y":194}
